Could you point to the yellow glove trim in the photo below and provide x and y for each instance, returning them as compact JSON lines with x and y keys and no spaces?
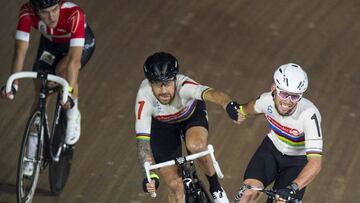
{"x":242,"y":112}
{"x":154,"y":175}
{"x":70,"y":89}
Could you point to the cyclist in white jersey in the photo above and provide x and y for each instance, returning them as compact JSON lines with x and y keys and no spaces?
{"x":170,"y":104}
{"x":290,"y":154}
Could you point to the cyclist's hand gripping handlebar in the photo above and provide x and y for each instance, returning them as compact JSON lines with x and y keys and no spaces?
{"x":210,"y":150}
{"x":147,"y":171}
{"x":10,"y":95}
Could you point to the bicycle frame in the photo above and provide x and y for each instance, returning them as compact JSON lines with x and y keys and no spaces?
{"x":192,"y":183}
{"x":181,"y":161}
{"x":43,"y":94}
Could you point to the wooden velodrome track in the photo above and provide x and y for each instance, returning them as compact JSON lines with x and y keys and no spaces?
{"x":230,"y":45}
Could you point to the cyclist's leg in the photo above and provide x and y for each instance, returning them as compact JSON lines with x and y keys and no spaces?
{"x":174,"y":183}
{"x":166,"y":145}
{"x":260,"y":172}
{"x":196,"y":139}
{"x":196,"y":133}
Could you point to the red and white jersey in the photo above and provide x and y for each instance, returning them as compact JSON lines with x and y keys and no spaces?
{"x":296,"y":134}
{"x":181,"y":107}
{"x":70,"y":28}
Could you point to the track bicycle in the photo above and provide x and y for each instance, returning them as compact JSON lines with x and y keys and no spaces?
{"x":195,"y":191}
{"x":51,"y":149}
{"x":271,"y":194}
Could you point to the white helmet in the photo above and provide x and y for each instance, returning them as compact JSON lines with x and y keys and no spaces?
{"x":291,"y":78}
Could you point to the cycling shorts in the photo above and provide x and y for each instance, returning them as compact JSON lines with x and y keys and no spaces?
{"x":270,"y":165}
{"x":166,"y":137}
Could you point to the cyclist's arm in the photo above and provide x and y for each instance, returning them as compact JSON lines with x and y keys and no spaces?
{"x":74,"y":64}
{"x":313,"y":145}
{"x":144,"y":153}
{"x":143,"y":116}
{"x":309,"y":172}
{"x":77,"y":41}
{"x":258,"y":105}
{"x":21,"y":48}
{"x":190,"y":89}
{"x":216,"y":96}
{"x":249,"y":108}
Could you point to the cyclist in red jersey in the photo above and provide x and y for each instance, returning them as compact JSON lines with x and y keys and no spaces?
{"x":66,"y":45}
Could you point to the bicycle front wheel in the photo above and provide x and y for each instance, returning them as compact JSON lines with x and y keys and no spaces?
{"x":59,"y":170}
{"x":204,"y":196}
{"x":30,"y":159}
{"x":199,"y":195}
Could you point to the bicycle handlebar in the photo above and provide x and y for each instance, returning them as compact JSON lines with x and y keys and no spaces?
{"x":49,"y":77}
{"x":210,"y":150}
{"x":270,"y":193}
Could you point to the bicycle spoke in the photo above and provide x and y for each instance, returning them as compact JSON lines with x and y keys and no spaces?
{"x":29,"y":160}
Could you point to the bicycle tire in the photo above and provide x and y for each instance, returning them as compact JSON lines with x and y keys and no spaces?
{"x":59,"y":171}
{"x":199,"y":196}
{"x":269,"y":200}
{"x":26,"y":186}
{"x":204,"y":196}
{"x":190,"y":199}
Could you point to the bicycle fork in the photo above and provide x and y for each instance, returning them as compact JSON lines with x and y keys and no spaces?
{"x":56,"y":157}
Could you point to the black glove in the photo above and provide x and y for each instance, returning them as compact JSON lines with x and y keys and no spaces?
{"x":154,"y":177}
{"x":289,"y":192}
{"x":232,"y":108}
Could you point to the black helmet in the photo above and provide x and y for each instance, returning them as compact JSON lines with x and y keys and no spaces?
{"x":42,"y":4}
{"x":161,"y":67}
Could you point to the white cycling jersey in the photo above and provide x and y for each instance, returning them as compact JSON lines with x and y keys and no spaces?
{"x":182,"y":106}
{"x":296,"y":134}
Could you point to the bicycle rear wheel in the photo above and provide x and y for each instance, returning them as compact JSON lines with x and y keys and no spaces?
{"x":59,"y":170}
{"x":26,"y":184}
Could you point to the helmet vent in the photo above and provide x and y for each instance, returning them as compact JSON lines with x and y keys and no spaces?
{"x":300,"y":84}
{"x":161,"y":71}
{"x":291,"y":77}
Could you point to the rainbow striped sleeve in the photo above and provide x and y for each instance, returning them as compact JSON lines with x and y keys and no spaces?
{"x":314,"y":147}
{"x":314,"y":153}
{"x":143,"y":136}
{"x":204,"y":92}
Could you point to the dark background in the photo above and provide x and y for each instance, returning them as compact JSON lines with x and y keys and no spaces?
{"x":233,"y":46}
